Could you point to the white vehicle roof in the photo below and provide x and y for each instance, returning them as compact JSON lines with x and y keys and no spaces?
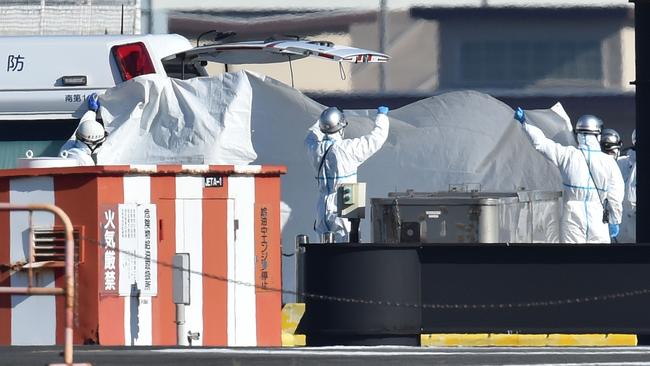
{"x":47,"y":58}
{"x":31,"y":77}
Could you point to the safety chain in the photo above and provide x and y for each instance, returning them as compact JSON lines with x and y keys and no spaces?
{"x":516,"y":305}
{"x":12,"y":267}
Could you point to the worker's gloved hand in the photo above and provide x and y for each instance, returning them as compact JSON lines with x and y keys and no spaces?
{"x":520,"y":115}
{"x":382,"y":110}
{"x":93,"y":102}
{"x":613,"y":230}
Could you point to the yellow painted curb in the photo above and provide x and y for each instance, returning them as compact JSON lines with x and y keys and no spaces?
{"x":291,"y":315}
{"x":622,"y":340}
{"x":452,"y":339}
{"x":526,"y":340}
{"x":293,"y":340}
{"x":564,"y":340}
{"x":533,"y":340}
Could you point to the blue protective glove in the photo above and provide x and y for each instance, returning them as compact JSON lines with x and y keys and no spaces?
{"x":520,"y":115}
{"x":613,"y":230}
{"x":382,"y":110}
{"x":93,"y":102}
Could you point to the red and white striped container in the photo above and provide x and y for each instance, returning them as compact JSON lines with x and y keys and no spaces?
{"x":226,"y":217}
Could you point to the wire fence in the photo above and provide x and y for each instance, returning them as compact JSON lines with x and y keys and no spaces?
{"x":72,"y":17}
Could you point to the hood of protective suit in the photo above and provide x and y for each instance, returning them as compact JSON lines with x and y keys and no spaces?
{"x":337,"y":136}
{"x":587,"y":141}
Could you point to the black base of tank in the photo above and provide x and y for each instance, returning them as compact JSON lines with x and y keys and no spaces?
{"x":371,"y":294}
{"x":364,"y":291}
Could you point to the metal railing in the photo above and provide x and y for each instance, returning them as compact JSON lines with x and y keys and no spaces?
{"x":68,"y":290}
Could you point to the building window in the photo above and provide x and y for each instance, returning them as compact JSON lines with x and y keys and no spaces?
{"x":518,"y":63}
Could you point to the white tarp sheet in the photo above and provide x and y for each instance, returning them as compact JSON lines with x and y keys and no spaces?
{"x":456,"y":138}
{"x":452,"y":139}
{"x":155,"y":119}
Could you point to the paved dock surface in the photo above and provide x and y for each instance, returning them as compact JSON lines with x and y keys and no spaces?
{"x":402,"y":356}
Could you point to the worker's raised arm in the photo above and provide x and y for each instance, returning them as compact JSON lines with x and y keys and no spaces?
{"x":314,"y":133}
{"x":550,"y":149}
{"x":361,"y":148}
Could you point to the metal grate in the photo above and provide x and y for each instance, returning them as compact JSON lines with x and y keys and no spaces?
{"x":49,"y":244}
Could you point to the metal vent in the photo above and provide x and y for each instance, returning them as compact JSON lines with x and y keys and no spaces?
{"x":49,"y":244}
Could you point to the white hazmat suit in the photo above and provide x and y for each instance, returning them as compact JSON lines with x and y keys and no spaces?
{"x":340,"y":166}
{"x":582,"y":219}
{"x":627,"y":164}
{"x":80,"y":152}
{"x":75,"y":149}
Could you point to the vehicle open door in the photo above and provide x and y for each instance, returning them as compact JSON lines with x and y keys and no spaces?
{"x":273,"y":51}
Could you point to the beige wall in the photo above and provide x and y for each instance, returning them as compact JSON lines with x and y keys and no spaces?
{"x":413,"y":47}
{"x":619,"y":59}
{"x":628,"y":68}
{"x":421,"y":63}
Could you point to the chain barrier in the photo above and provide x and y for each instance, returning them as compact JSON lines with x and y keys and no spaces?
{"x":516,"y":305}
{"x":467,"y":306}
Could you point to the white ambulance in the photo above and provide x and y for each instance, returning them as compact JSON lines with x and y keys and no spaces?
{"x":45,"y":80}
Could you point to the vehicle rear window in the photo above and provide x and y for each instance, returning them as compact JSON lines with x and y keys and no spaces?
{"x":174,"y":70}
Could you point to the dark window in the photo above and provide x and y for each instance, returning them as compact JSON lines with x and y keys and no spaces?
{"x":511,"y":64}
{"x":37,"y":130}
{"x":42,"y":137}
{"x":174,"y":69}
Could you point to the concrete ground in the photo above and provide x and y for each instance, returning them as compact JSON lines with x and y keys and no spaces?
{"x":402,"y":356}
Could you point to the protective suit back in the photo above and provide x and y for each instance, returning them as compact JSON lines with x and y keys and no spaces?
{"x":589,"y":177}
{"x":335,"y":160}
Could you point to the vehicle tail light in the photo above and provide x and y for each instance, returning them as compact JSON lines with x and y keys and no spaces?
{"x":133,"y":60}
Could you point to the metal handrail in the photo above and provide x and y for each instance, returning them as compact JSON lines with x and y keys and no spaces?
{"x":68,"y":290}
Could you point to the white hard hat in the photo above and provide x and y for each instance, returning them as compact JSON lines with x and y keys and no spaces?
{"x":589,"y":124}
{"x":90,"y":132}
{"x":332,"y":120}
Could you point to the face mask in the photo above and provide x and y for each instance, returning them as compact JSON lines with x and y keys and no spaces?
{"x":580,"y":138}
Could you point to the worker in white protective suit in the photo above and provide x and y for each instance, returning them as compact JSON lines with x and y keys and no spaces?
{"x":593,"y":185}
{"x":335,"y":161}
{"x":88,"y":137}
{"x":627,"y":164}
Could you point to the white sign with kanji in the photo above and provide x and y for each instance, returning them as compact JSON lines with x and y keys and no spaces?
{"x":138,"y":250}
